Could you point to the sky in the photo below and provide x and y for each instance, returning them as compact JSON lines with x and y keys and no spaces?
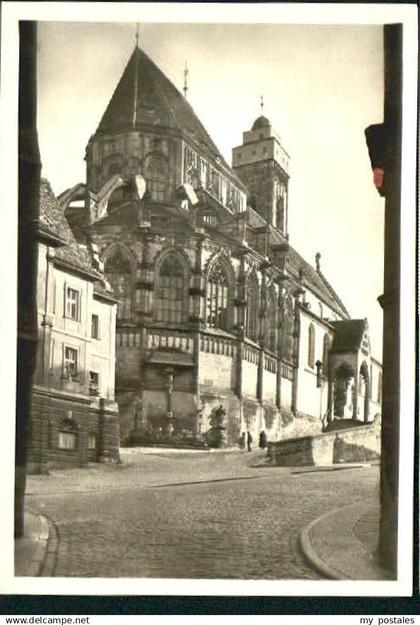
{"x":322,"y":86}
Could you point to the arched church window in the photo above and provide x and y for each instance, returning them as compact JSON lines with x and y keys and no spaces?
{"x":270,"y":327}
{"x":157,"y":179}
{"x":311,"y":346}
{"x":251,"y":321}
{"x":118,"y":272}
{"x":217,"y":298}
{"x":170,"y":290}
{"x":326,"y":353}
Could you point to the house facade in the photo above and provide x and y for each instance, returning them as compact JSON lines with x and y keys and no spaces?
{"x":74,"y":418}
{"x":216,"y":307}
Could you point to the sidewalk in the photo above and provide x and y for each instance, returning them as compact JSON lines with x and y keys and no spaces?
{"x":30,"y":551}
{"x":341,"y":544}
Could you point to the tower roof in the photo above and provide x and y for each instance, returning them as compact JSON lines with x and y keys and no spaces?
{"x":261,"y":122}
{"x":144,"y":95}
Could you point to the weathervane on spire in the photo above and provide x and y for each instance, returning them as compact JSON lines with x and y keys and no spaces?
{"x":186,"y":72}
{"x":137,"y":35}
{"x":262,"y":105}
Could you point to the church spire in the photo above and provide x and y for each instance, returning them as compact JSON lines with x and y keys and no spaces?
{"x":136,"y":86}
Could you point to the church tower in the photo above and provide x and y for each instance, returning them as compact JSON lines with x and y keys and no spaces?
{"x":262,"y":164}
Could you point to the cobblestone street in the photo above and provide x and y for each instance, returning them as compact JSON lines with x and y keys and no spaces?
{"x":191,"y":515}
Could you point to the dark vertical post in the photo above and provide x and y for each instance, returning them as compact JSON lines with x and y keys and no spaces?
{"x":28,"y":213}
{"x":390,"y":300}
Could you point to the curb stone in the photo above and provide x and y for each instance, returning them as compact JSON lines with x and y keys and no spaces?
{"x":344,"y":556}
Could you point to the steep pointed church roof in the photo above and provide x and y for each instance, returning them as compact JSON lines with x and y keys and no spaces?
{"x":144,"y":95}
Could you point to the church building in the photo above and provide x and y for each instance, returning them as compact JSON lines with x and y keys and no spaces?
{"x":215,"y":306}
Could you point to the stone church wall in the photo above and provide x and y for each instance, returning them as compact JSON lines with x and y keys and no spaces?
{"x":217,"y":370}
{"x":269,"y":386}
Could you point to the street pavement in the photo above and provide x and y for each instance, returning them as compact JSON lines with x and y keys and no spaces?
{"x":191,"y":515}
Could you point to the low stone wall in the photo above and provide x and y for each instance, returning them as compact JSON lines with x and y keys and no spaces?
{"x":356,"y":444}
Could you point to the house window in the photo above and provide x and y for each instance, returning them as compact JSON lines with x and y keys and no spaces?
{"x":67,"y":440}
{"x":67,"y":436}
{"x":93,"y":382}
{"x":70,"y":361}
{"x":72,"y":303}
{"x":311,"y":346}
{"x":95,"y":327}
{"x":170,"y":290}
{"x":251,"y":322}
{"x":92,"y":440}
{"x":217,"y":298}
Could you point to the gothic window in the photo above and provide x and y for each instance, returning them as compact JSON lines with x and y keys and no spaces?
{"x":118,"y":272}
{"x":170,"y":290}
{"x":251,"y":321}
{"x":326,"y":354}
{"x":157,"y":179}
{"x":217,"y":298}
{"x":287,"y":328}
{"x":270,"y":327}
{"x":311,"y":346}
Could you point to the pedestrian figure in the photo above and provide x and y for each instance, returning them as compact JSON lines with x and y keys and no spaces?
{"x":263,"y":440}
{"x":242,"y":441}
{"x":249,"y":440}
